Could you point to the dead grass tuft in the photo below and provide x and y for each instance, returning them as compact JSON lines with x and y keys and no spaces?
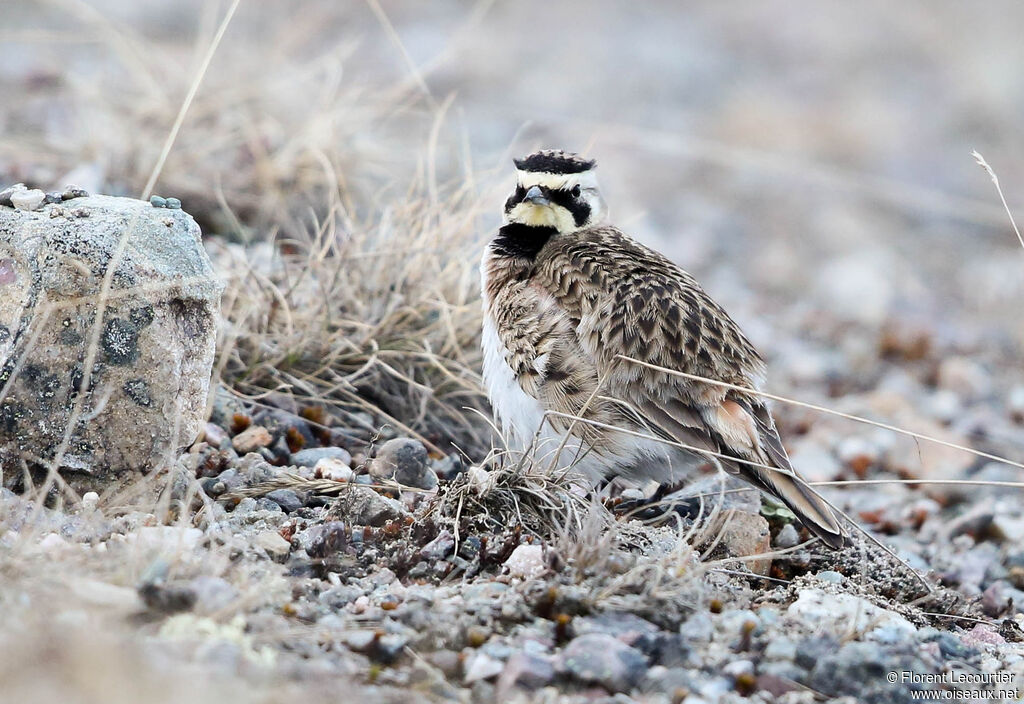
{"x":515,"y":491}
{"x":379,"y":315}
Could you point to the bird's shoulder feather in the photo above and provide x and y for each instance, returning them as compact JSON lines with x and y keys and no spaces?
{"x":541,"y":347}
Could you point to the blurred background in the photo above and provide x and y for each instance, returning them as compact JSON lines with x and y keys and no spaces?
{"x":810,"y":162}
{"x":779,"y":145}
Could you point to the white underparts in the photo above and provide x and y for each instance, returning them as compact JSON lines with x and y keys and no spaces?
{"x":525,"y":429}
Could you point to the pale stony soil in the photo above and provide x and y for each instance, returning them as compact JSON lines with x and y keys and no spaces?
{"x":811,"y":165}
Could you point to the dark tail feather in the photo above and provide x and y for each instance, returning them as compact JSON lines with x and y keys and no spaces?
{"x":812,"y":510}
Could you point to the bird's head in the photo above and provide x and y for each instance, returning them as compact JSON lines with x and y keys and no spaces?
{"x":555,"y":189}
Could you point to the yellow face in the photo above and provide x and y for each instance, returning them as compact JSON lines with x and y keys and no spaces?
{"x":565,"y":202}
{"x":547,"y":215}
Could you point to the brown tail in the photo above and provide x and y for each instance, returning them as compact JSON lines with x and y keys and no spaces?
{"x":684,"y":426}
{"x":812,"y":510}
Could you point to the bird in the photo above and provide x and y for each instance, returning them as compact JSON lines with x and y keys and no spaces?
{"x":571,"y":304}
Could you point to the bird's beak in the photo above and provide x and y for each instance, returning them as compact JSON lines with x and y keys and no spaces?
{"x":536,"y":196}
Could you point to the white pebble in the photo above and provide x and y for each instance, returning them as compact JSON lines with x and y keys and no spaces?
{"x":964,"y":376}
{"x":526,"y":562}
{"x":738,"y":667}
{"x":787,"y":537}
{"x":334,"y":469}
{"x":835,"y":611}
{"x":482,"y":667}
{"x":89,"y":500}
{"x":170,"y":539}
{"x":52,"y":541}
{"x":830,"y":576}
{"x":480,"y":479}
{"x":852,"y":448}
{"x":28,"y":200}
{"x":944,"y":405}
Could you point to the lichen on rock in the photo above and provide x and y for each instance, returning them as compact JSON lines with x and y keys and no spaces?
{"x":107,"y":336}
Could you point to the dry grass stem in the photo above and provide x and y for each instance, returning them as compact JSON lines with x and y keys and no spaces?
{"x":995,"y":180}
{"x":187,"y":102}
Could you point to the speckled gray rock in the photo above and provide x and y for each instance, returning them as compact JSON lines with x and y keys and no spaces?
{"x":524,"y":671}
{"x":287,"y":499}
{"x":862,"y":670}
{"x":365,"y":507}
{"x":406,"y":461}
{"x":145,"y":395}
{"x":598,"y":658}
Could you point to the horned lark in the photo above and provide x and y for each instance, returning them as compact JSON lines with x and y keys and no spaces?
{"x":567,"y":297}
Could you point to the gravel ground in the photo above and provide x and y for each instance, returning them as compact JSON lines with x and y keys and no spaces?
{"x":302,"y":566}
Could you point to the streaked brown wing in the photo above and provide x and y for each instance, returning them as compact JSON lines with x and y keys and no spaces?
{"x":549,"y":364}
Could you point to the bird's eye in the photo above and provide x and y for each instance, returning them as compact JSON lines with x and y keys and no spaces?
{"x":576,"y":190}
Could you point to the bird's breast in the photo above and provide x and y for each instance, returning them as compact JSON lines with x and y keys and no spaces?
{"x":519,"y":414}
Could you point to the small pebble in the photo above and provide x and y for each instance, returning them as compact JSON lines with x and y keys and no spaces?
{"x":964,"y":376}
{"x":738,"y":667}
{"x":390,"y":647}
{"x":265,"y":504}
{"x":482,"y":667}
{"x":273,"y":543}
{"x":214,"y":434}
{"x":830,"y":576}
{"x":438,"y":548}
{"x":526,"y":562}
{"x":252,"y":439}
{"x":52,"y":197}
{"x":246,"y":505}
{"x":365,"y":507}
{"x":173,"y":203}
{"x":477,"y":635}
{"x":158,"y":202}
{"x":89,"y":500}
{"x":1015,"y":402}
{"x":72,"y":191}
{"x":523,"y":670}
{"x":312,"y":456}
{"x":405,"y":460}
{"x":28,"y":200}
{"x":287,"y":499}
{"x":599,"y":658}
{"x":334,"y":469}
{"x":51,"y":542}
{"x":5,"y":194}
{"x":787,"y":537}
